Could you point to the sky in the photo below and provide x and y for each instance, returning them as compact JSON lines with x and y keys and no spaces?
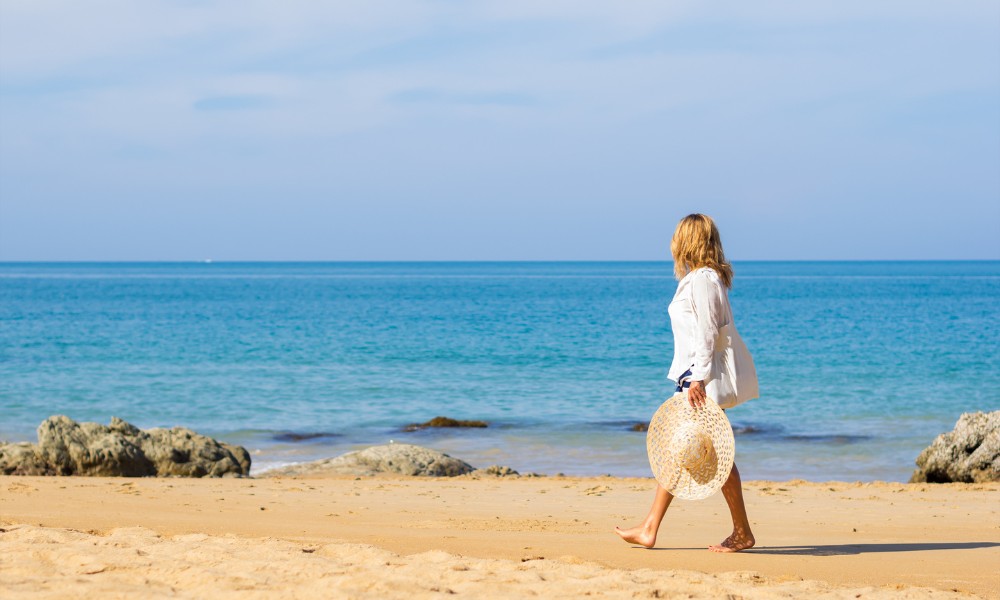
{"x":513,"y":130}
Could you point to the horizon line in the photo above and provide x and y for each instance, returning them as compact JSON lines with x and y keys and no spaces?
{"x":210,"y":261}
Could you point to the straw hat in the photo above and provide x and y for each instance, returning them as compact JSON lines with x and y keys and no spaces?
{"x":691,"y":450}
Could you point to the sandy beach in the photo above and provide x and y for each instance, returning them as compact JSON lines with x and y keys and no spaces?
{"x":486,"y":537}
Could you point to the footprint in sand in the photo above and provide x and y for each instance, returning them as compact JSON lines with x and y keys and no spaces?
{"x":128,"y":488}
{"x":21,"y":488}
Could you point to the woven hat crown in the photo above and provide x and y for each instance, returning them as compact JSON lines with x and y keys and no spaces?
{"x":693,"y":445}
{"x":690,"y":449}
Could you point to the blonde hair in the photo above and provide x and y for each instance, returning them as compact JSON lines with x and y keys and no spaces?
{"x":696,"y":244}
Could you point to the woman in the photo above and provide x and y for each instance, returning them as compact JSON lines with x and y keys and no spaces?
{"x":699,"y":308}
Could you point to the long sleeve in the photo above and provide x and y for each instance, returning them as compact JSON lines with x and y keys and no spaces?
{"x":708,"y":300}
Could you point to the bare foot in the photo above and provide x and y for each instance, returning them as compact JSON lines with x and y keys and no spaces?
{"x":637,"y":535}
{"x":735,"y":543}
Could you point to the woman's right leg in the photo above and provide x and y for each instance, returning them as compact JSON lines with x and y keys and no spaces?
{"x":645,"y":534}
{"x":741,"y":538}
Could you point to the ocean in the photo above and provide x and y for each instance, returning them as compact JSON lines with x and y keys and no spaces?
{"x":861,"y":364}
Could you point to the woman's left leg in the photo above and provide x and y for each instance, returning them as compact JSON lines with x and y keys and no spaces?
{"x":742,"y":537}
{"x":645,"y":534}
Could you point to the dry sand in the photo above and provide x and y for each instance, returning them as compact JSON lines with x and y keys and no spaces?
{"x":486,"y":538}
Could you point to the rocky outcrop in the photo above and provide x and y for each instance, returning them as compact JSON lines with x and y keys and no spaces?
{"x":92,"y":449}
{"x":66,"y":447}
{"x":23,"y":458}
{"x":970,"y":453}
{"x":402,"y":459}
{"x":180,"y":452}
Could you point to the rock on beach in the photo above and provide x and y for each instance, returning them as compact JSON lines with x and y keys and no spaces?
{"x":402,"y":459}
{"x":66,"y":447}
{"x":970,"y":453}
{"x":23,"y":458}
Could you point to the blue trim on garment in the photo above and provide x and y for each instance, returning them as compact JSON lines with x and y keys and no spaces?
{"x":682,"y":382}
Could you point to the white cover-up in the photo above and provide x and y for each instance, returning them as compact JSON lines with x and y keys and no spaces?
{"x":700,"y":308}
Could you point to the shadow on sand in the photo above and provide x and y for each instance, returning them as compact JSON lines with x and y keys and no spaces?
{"x":847,"y":549}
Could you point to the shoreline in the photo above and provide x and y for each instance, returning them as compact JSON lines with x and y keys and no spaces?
{"x":887,"y":538}
{"x":606,"y":449}
{"x":618,"y":453}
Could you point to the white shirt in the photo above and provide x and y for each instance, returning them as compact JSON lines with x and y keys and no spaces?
{"x":699,"y":309}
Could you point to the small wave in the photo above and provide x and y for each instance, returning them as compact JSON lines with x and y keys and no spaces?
{"x":832,"y":438}
{"x":629,"y":425}
{"x":256,"y":469}
{"x":756,"y":429}
{"x":642,"y":426}
{"x":302,"y":436}
{"x":777,"y":432}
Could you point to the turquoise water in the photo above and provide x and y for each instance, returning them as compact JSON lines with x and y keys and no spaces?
{"x":861,"y":364}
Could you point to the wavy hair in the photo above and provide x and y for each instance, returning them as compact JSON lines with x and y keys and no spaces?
{"x":696,"y":244}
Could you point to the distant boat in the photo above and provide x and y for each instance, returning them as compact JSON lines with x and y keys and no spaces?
{"x":207,"y":261}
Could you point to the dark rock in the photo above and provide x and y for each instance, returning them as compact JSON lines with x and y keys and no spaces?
{"x":639,"y":427}
{"x":444,"y":422}
{"x":970,"y":453}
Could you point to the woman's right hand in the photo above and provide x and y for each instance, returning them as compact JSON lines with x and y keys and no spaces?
{"x":696,"y":395}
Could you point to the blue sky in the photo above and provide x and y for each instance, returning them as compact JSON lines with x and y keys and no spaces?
{"x":517,"y":130}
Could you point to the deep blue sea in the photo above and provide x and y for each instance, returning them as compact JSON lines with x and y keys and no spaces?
{"x":861,"y":364}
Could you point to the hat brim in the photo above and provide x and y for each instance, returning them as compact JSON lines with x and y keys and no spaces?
{"x":672,"y":421}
